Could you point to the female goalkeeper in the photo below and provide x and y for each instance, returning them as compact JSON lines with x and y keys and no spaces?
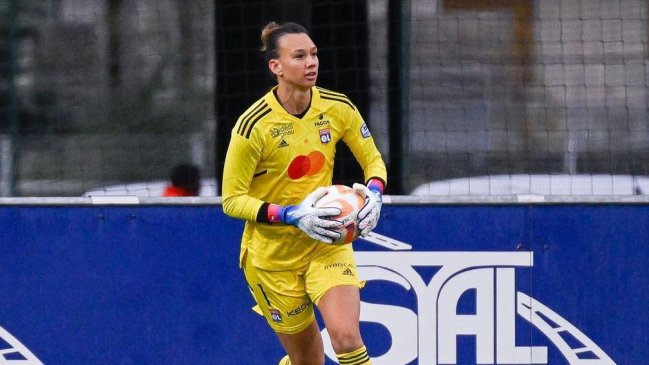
{"x":279,"y":160}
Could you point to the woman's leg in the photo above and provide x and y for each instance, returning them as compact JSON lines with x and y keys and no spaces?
{"x":305,"y":347}
{"x":340,"y":309}
{"x":334,"y":286}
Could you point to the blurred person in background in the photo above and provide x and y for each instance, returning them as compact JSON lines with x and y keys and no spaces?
{"x":185,"y":180}
{"x":279,"y":161}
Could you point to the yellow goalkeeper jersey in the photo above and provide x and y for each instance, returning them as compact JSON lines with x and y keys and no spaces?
{"x":275,"y":157}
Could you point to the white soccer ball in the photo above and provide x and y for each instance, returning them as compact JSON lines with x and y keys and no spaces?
{"x":350,"y":203}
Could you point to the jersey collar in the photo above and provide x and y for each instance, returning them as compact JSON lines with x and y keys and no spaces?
{"x":274,"y":104}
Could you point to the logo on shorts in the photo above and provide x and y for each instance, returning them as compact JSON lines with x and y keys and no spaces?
{"x":275,"y":315}
{"x":299,"y":309}
{"x":338,"y":264}
{"x":348,"y":271}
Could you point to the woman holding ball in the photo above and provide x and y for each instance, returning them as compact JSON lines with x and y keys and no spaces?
{"x":279,"y":161}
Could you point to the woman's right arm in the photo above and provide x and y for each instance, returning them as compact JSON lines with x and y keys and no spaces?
{"x":240,"y":163}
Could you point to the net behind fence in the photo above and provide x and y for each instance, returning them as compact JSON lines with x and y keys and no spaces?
{"x":532,"y":87}
{"x":107,"y":92}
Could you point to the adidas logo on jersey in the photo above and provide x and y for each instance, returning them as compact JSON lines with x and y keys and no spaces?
{"x":348,"y":271}
{"x":282,"y":143}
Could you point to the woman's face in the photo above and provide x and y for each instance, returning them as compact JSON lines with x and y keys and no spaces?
{"x":298,"y":63}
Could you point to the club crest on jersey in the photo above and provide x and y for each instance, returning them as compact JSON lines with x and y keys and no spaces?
{"x":365,"y":132}
{"x":325,"y":135}
{"x":275,"y":315}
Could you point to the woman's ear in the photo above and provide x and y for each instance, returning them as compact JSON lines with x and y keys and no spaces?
{"x":275,"y":67}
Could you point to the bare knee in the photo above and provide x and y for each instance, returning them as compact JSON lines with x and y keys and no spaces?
{"x":345,"y":340}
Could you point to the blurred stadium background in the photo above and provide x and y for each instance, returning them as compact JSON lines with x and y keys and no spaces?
{"x":102,"y":92}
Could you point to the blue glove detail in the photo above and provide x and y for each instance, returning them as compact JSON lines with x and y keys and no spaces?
{"x":311,"y":220}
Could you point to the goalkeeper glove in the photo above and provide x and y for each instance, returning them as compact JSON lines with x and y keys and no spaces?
{"x":368,"y":216}
{"x":309,"y":219}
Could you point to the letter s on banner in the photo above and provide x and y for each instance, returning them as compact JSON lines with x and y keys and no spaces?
{"x":400,"y":322}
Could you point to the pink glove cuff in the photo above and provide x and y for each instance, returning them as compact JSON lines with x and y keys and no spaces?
{"x":275,"y":213}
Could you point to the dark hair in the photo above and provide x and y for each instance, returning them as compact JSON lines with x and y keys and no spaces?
{"x":272,"y":32}
{"x":186,"y":176}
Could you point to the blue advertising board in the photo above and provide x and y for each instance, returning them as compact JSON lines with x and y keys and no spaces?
{"x":446,"y":284}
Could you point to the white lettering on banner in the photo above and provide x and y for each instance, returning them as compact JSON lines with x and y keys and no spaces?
{"x":16,"y":350}
{"x":430,"y":334}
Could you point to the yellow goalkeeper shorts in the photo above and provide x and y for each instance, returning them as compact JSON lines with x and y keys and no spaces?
{"x":285,"y":298}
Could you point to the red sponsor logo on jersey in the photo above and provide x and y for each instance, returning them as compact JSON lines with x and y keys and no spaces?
{"x":307,"y":165}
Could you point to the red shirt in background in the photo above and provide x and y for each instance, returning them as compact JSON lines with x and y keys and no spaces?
{"x":176,"y":191}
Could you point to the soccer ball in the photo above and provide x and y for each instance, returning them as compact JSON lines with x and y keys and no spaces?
{"x":349,"y":202}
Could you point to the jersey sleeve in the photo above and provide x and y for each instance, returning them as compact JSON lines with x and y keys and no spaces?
{"x":241,"y":160}
{"x":360,"y":142}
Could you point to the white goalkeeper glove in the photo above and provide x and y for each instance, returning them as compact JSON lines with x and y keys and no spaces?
{"x":313,"y":220}
{"x":368,"y":216}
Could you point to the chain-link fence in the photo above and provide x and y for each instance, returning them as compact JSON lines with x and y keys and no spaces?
{"x":103,"y":92}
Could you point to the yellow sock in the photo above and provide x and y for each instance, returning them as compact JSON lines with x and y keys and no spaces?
{"x":285,"y":361}
{"x":356,"y":357}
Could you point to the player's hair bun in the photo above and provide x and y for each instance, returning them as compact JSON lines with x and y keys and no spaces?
{"x":265,"y":34}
